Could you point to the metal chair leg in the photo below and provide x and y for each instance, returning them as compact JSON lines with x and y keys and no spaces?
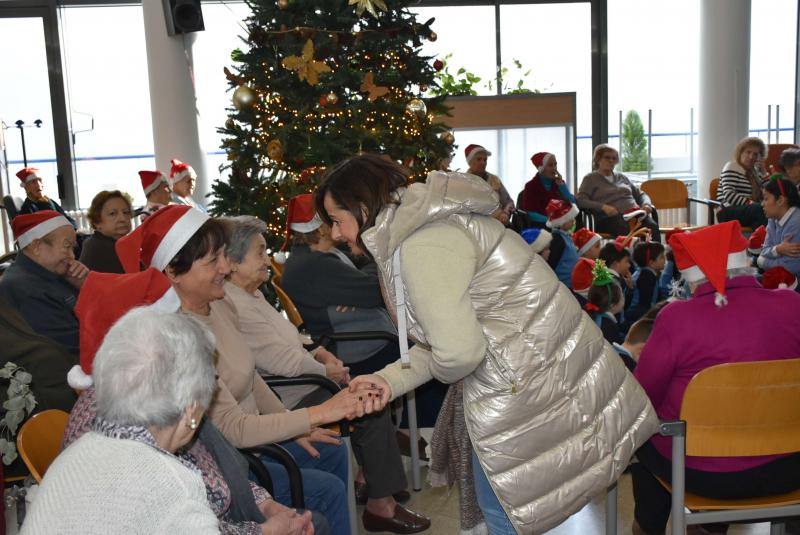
{"x":351,"y":487}
{"x":777,"y":527}
{"x":413,"y":437}
{"x":611,"y":510}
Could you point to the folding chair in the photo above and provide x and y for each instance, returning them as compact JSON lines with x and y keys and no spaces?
{"x":736,"y":410}
{"x":39,"y":440}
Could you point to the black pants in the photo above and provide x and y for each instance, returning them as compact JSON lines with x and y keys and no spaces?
{"x":375,"y":447}
{"x":616,"y":226}
{"x":748,"y":215}
{"x":652,"y":501}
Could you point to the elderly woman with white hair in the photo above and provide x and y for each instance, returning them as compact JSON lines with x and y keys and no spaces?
{"x":154,"y":377}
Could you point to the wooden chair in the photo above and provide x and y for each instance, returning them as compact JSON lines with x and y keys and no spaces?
{"x":670,"y":194}
{"x":39,"y":440}
{"x":288,"y":306}
{"x":736,"y":410}
{"x":277,"y":267}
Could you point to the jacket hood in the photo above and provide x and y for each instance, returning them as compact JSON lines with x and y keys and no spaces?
{"x":442,"y":195}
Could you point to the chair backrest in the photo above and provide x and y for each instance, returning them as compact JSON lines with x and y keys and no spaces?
{"x":288,"y":305}
{"x":773,"y":153}
{"x":667,"y":193}
{"x":39,"y":440}
{"x":743,"y":409}
{"x":277,"y":267}
{"x":713,"y":188}
{"x":12,"y":205}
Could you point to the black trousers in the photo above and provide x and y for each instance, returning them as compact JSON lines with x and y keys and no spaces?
{"x":748,"y":215}
{"x":375,"y":447}
{"x":616,"y":226}
{"x":652,"y":501}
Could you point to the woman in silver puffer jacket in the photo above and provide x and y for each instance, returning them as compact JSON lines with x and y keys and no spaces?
{"x":553,"y":415}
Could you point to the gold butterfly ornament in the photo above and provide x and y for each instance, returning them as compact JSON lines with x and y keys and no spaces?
{"x":306,"y":67}
{"x":375,"y":91}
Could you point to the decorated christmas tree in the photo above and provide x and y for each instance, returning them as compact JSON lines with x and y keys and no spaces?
{"x":318,"y":82}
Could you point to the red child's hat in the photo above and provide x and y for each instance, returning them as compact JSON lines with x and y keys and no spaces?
{"x":560,"y":212}
{"x":582,"y":275}
{"x":585,"y":239}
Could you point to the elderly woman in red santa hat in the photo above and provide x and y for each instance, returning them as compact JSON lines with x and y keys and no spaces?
{"x":546,"y":184}
{"x":477,"y":157}
{"x":725,"y":296}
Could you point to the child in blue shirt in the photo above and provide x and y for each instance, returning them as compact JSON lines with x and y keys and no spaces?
{"x":782,"y":244}
{"x":563,"y":253}
{"x":650,"y":259}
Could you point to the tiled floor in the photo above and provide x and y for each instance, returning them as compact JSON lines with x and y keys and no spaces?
{"x":442,"y":507}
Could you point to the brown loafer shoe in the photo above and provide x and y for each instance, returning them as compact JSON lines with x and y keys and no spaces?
{"x":403,"y":521}
{"x":361,"y":494}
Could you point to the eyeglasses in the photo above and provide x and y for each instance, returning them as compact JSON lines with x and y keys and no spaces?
{"x":612,"y":158}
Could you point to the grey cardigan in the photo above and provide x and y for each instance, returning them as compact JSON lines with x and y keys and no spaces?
{"x":622,"y":194}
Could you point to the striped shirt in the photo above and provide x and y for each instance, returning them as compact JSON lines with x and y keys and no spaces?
{"x":735,"y":188}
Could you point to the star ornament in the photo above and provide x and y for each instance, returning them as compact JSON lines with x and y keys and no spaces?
{"x":306,"y":67}
{"x":369,"y":5}
{"x":375,"y":91}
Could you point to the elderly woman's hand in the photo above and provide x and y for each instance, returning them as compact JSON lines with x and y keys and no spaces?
{"x":344,"y":405}
{"x":318,"y":434}
{"x":288,"y":522}
{"x":609,"y":210}
{"x":372,"y":383}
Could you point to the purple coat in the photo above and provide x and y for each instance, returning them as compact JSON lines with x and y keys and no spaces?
{"x":689,"y":336}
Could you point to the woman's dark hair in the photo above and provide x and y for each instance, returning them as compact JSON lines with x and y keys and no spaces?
{"x":646,"y":252}
{"x":788,"y":158}
{"x":780,"y":187}
{"x":304,"y":238}
{"x":604,"y":297}
{"x":611,"y":255}
{"x":363,"y":185}
{"x":96,"y":208}
{"x":208,"y":238}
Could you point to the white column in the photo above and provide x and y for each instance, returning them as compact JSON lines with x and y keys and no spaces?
{"x":724,"y":85}
{"x":173,"y":102}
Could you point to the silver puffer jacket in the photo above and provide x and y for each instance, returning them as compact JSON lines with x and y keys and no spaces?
{"x":552,"y":412}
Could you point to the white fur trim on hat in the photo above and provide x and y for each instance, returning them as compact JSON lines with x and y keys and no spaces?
{"x":547,"y":157}
{"x":542,"y":241}
{"x":589,"y":244}
{"x":634,"y":214}
{"x":569,"y":216}
{"x":78,"y":379}
{"x":177,"y":236}
{"x":308,"y":226}
{"x":477,"y":150}
{"x":736,"y":260}
{"x":155,"y":184}
{"x":41,"y":230}
{"x":280,"y":257}
{"x":186,"y":173}
{"x":29,"y":178}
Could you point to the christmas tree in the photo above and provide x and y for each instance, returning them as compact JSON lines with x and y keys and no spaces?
{"x":316,"y":83}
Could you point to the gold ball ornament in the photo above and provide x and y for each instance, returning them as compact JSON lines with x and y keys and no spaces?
{"x":283,"y":4}
{"x":229,"y":124}
{"x":332,"y":98}
{"x":416,"y":107}
{"x":433,"y":37}
{"x":275,"y":150}
{"x":448,"y":138}
{"x":243,"y":97}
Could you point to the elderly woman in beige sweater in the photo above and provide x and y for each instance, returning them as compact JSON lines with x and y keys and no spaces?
{"x":544,"y":396}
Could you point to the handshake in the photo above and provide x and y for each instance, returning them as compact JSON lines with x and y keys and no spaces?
{"x":364,"y":395}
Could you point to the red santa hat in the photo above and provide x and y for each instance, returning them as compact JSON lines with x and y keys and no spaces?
{"x":473,"y":150}
{"x":709,"y":253}
{"x":105,"y":298}
{"x":634,"y":213}
{"x":585,"y":239}
{"x":300,"y":217}
{"x":27,"y":174}
{"x":29,"y":227}
{"x":756,"y":242}
{"x":179,"y":171}
{"x":560,"y":212}
{"x":151,"y":180}
{"x":582,"y":276}
{"x":540,"y":159}
{"x":155,"y":242}
{"x":673,"y":232}
{"x":779,"y":277}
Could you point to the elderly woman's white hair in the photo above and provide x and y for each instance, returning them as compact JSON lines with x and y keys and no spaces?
{"x":241,"y":230}
{"x":151,"y":366}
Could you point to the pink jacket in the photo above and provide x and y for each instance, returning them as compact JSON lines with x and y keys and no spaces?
{"x":689,"y":336}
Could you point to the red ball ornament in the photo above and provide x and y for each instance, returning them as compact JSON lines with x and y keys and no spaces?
{"x":438,"y":65}
{"x":323,"y":100}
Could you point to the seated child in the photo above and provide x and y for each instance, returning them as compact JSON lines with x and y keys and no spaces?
{"x":605,"y":302}
{"x":539,"y":240}
{"x":617,"y":259}
{"x":650,"y":259}
{"x":563,"y":253}
{"x":779,"y":278}
{"x":582,"y":280}
{"x":587,"y":242}
{"x":631,"y":348}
